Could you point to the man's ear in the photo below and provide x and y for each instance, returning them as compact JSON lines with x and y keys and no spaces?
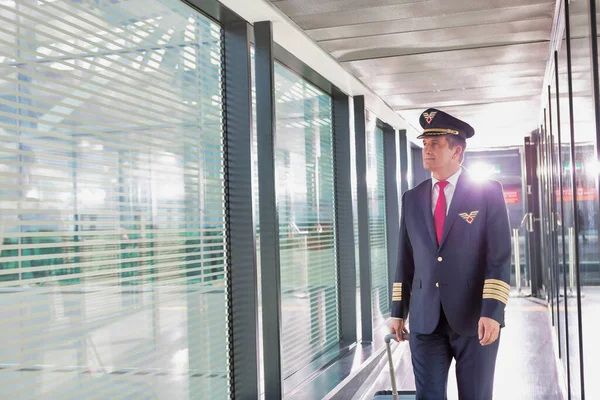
{"x":458,"y":149}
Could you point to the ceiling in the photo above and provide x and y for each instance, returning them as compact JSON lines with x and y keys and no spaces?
{"x":480,"y":60}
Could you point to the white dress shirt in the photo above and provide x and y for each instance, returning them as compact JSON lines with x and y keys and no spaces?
{"x":448,"y":190}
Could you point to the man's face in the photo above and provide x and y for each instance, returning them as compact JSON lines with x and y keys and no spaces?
{"x":437,"y":154}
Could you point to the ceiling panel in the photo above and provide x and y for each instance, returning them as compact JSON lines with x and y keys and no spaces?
{"x":515,"y":109}
{"x":480,"y":17}
{"x":437,"y":40}
{"x":467,"y":97}
{"x":446,"y":78}
{"x":367,"y":13}
{"x":294,"y":8}
{"x":432,"y":87}
{"x":455,"y":59}
{"x":481,"y":60}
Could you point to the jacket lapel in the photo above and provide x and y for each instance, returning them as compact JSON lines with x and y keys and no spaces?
{"x":460,"y":193}
{"x":426,"y":200}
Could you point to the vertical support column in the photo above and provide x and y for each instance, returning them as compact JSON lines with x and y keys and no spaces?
{"x":402,"y":137}
{"x":392,"y":213}
{"x":269,"y":221}
{"x":344,"y":218}
{"x":242,"y":282}
{"x":364,"y":240}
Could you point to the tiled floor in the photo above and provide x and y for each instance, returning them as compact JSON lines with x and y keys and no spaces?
{"x":332,"y":375}
{"x":526,"y":367}
{"x":111,"y":344}
{"x":571,"y":356}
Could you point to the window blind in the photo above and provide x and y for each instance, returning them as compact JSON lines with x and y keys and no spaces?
{"x":305,"y":199}
{"x":377,"y":223}
{"x":113,"y":263}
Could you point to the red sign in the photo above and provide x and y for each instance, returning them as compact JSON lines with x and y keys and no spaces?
{"x":511,"y":196}
{"x":588,"y":193}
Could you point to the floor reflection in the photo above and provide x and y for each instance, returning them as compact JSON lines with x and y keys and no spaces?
{"x":590,"y":308}
{"x":526,"y":367}
{"x":113,"y":343}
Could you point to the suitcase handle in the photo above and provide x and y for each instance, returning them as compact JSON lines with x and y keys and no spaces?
{"x":388,"y":340}
{"x":392,"y":336}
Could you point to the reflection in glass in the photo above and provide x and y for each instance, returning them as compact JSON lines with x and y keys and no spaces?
{"x":557,"y":197}
{"x":112,"y":268}
{"x":305,"y":201}
{"x":566,"y":236}
{"x":586,"y":235}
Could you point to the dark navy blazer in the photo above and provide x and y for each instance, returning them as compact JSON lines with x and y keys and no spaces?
{"x":468,"y":273}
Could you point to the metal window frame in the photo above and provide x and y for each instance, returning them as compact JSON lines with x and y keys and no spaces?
{"x":362,"y":200}
{"x":344,"y":218}
{"x":595,"y":77}
{"x":243,"y":306}
{"x":242,"y":285}
{"x":562,"y":213}
{"x":403,"y":159}
{"x":290,"y":61}
{"x":215,"y":10}
{"x":244,"y":362}
{"x":392,"y":207}
{"x":554,"y":253}
{"x":575,"y":201}
{"x":346,"y":267}
{"x":269,"y":222}
{"x":531,"y":187}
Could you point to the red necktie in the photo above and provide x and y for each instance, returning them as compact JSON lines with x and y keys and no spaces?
{"x":439,"y":215}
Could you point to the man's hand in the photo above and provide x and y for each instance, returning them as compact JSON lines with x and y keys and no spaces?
{"x":489,"y":329}
{"x":398,"y":328}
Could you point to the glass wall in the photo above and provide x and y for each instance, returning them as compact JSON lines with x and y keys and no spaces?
{"x":586,"y":168}
{"x":504,"y":165}
{"x":566,"y":241}
{"x":305,"y":201}
{"x":377,"y":220}
{"x":113,"y":264}
{"x":575,"y":168}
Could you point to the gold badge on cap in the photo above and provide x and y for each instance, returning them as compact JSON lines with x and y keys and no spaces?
{"x":429,"y":116}
{"x":469,"y":217}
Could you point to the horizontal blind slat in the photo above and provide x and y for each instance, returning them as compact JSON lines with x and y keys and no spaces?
{"x":112,"y":207}
{"x":306,"y":209}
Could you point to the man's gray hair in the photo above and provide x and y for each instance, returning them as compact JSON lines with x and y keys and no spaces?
{"x":454,"y":141}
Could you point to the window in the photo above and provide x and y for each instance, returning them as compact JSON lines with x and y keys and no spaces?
{"x":305,"y":199}
{"x":113,"y":264}
{"x":377,"y":223}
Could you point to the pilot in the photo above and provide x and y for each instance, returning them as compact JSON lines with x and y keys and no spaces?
{"x":453,"y":270}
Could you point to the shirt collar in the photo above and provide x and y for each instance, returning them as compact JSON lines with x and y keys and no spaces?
{"x":453,"y":180}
